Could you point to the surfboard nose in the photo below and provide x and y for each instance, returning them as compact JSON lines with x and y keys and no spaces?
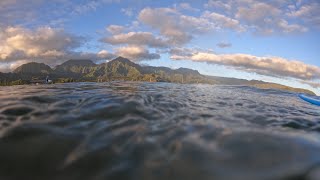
{"x":310,"y":100}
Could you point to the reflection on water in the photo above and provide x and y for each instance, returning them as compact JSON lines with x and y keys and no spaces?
{"x":125,"y":130}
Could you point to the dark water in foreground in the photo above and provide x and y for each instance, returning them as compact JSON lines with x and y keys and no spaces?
{"x":156,"y":131}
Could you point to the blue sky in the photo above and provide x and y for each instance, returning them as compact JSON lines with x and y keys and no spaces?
{"x":274,"y":40}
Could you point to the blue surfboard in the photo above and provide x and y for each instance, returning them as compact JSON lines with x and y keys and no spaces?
{"x":310,"y":99}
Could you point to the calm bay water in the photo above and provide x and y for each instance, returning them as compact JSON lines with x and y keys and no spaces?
{"x":124,"y":130}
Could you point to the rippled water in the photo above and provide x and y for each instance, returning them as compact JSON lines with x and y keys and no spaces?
{"x":136,"y":131}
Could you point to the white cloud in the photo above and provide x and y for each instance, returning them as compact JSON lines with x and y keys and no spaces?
{"x":52,"y":46}
{"x":136,"y":53}
{"x":268,"y":17}
{"x":257,"y":11}
{"x":290,"y":28}
{"x":127,"y":11}
{"x":309,"y":13}
{"x":188,"y":7}
{"x":115,"y":29}
{"x":8,"y":67}
{"x":89,"y":6}
{"x":218,"y":5}
{"x":272,"y":66}
{"x":245,"y":15}
{"x":305,"y":10}
{"x":180,"y":29}
{"x":167,"y":21}
{"x":175,"y":28}
{"x":45,"y":42}
{"x":104,"y":54}
{"x":137,"y":38}
{"x":224,"y":22}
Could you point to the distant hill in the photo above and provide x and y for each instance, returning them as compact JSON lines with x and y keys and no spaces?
{"x":229,"y":81}
{"x":75,"y":67}
{"x":258,"y":84}
{"x":33,"y":68}
{"x":282,"y":87}
{"x":122,"y":69}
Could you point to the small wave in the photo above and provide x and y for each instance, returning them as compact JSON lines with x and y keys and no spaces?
{"x":130,"y":130}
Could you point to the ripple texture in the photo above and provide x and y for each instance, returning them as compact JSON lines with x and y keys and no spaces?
{"x":124,"y":130}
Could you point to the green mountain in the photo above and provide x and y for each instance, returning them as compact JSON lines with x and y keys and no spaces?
{"x":258,"y":84}
{"x":75,"y":67}
{"x":282,"y":87}
{"x":122,"y":69}
{"x":33,"y":68}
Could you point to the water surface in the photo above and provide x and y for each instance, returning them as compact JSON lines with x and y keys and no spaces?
{"x":125,"y":130}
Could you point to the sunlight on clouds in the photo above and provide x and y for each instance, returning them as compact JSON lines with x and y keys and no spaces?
{"x":136,"y":53}
{"x":20,"y":43}
{"x":137,"y":38}
{"x":115,"y":29}
{"x":272,"y":66}
{"x":44,"y":44}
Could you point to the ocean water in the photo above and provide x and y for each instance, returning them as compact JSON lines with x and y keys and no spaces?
{"x":145,"y":131}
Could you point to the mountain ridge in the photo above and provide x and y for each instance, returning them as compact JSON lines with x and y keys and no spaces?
{"x":33,"y":67}
{"x":120,"y":68}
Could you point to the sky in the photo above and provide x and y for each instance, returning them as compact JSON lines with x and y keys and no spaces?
{"x":275,"y":40}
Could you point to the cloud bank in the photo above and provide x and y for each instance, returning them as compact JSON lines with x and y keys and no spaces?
{"x":137,"y":38}
{"x":19,"y":45}
{"x":136,"y":53}
{"x":271,"y":66}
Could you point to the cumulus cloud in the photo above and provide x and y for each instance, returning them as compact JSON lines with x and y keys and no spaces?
{"x":187,"y":7}
{"x":104,"y":54}
{"x":218,"y":5}
{"x":290,"y":28}
{"x":272,"y":66}
{"x":257,"y":11}
{"x":115,"y":29}
{"x":52,"y":46}
{"x":224,"y":21}
{"x":180,"y":28}
{"x":167,"y":21}
{"x":137,"y":38}
{"x":136,"y":53}
{"x":309,"y":13}
{"x":89,"y":5}
{"x":267,"y":17}
{"x":8,"y":67}
{"x":53,"y":61}
{"x":127,"y":11}
{"x":173,"y":28}
{"x":20,"y":43}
